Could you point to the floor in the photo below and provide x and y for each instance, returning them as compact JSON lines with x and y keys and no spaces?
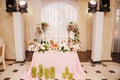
{"x":103,"y":71}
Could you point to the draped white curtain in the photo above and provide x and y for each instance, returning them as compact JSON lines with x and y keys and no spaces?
{"x":58,"y":15}
{"x":116,"y":39}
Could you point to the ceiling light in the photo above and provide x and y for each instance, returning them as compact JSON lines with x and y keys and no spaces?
{"x":93,"y":2}
{"x":92,"y":5}
{"x":22,"y":6}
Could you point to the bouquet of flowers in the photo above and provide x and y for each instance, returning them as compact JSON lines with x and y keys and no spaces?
{"x":33,"y":47}
{"x":38,"y":46}
{"x":44,"y":46}
{"x":44,"y":26}
{"x":38,"y":30}
{"x":64,"y":47}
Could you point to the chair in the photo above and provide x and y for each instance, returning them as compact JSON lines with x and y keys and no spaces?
{"x":2,"y":52}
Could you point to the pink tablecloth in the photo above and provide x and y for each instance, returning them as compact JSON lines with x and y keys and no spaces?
{"x":59,"y":60}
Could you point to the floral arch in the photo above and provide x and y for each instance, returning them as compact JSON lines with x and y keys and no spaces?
{"x":58,"y":15}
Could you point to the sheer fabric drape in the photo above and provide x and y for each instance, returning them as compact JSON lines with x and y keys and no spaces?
{"x":58,"y":15}
{"x":116,"y":39}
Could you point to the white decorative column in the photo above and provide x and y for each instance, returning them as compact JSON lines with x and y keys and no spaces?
{"x":97,"y":36}
{"x":19,"y":36}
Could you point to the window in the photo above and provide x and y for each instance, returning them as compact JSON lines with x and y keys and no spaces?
{"x":58,"y":15}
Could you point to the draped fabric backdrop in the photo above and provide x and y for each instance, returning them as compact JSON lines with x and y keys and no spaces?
{"x":58,"y":15}
{"x":116,"y":39}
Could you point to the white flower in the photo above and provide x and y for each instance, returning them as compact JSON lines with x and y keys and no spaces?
{"x":65,"y":47}
{"x":60,"y":47}
{"x":38,"y":44}
{"x":74,"y":46}
{"x":77,"y":46}
{"x":36,"y":48}
{"x":43,"y":43}
{"x":42,"y":47}
{"x":31,"y":47}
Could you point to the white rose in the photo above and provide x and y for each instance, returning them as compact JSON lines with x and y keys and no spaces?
{"x":39,"y":44}
{"x":77,"y":46}
{"x":30,"y":48}
{"x":42,"y":47}
{"x":60,"y":48}
{"x":36,"y":49}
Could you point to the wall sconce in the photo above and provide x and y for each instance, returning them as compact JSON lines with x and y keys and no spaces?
{"x":22,"y":6}
{"x":11,"y":6}
{"x":92,"y":5}
{"x":104,"y":5}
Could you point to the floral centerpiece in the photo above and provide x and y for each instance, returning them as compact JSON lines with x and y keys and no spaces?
{"x":38,"y":46}
{"x":64,"y":47}
{"x":45,"y":46}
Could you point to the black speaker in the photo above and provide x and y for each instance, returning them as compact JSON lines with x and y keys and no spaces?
{"x":104,"y":5}
{"x":11,"y":6}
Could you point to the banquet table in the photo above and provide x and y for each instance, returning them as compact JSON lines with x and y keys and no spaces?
{"x":59,"y":60}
